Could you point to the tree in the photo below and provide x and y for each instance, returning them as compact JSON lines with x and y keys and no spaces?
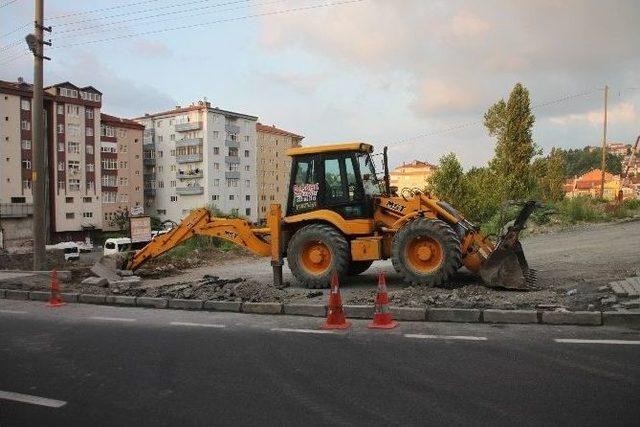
{"x":549,"y":173}
{"x":511,"y":123}
{"x":120,"y":219}
{"x":448,"y":181}
{"x":581,"y":160}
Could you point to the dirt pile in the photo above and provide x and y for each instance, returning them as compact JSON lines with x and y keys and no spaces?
{"x":208,"y":288}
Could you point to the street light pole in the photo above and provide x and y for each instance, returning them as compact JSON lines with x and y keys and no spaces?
{"x":38,"y":174}
{"x":604,"y":142}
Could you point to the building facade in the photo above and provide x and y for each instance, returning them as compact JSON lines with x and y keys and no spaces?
{"x":411,"y":175}
{"x":274,"y":166}
{"x":121,"y":168}
{"x":199,"y":156}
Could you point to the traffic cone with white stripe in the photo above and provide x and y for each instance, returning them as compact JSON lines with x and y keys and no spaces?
{"x":55,"y":300}
{"x":382,"y":319}
{"x":335,"y":315}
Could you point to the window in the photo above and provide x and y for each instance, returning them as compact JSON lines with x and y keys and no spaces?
{"x":73,"y":130}
{"x":109,"y":180}
{"x":109,"y":131}
{"x":60,"y":128}
{"x":26,"y":164}
{"x":172,"y":137}
{"x":247,"y":168}
{"x":174,"y":198}
{"x":233,"y":167}
{"x":233,"y":152}
{"x":25,"y":125}
{"x":61,"y":146}
{"x":159,"y":123}
{"x":88,"y":113}
{"x":89,"y":149}
{"x":60,"y":108}
{"x":69,"y":93}
{"x":305,"y":187}
{"x":231,"y":197}
{"x":90,"y":185}
{"x":247,"y":183}
{"x":26,"y":144}
{"x":61,"y":164}
{"x":109,"y":164}
{"x":172,"y":184}
{"x":122,"y":133}
{"x":216,"y":134}
{"x":68,"y":199}
{"x":25,"y":104}
{"x":86,"y":199}
{"x":70,"y":215}
{"x":216,"y":150}
{"x":215,"y":197}
{"x":109,"y":196}
{"x":232,"y":182}
{"x":88,"y":131}
{"x":74,"y":185}
{"x":160,"y":153}
{"x":73,"y":110}
{"x":247,"y":211}
{"x":247,"y":198}
{"x":90,"y":167}
{"x":73,"y":166}
{"x":216,"y":182}
{"x":18,"y":200}
{"x":173,"y":153}
{"x":87,"y":214}
{"x":160,"y":138}
{"x":26,"y":185}
{"x":216,"y":166}
{"x":73,"y":147}
{"x":246,"y":153}
{"x":61,"y":184}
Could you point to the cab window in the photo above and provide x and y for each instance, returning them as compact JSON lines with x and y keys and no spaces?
{"x":305,"y":187}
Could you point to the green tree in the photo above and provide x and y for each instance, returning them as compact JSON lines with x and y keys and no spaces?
{"x":581,"y":160}
{"x":120,"y":219}
{"x":511,"y":123}
{"x":550,"y":175}
{"x":448,"y":181}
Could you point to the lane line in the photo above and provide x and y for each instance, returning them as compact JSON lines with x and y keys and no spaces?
{"x":303,"y":331}
{"x":446,"y":337}
{"x":581,"y":341}
{"x":202,"y":325}
{"x":13,"y":311}
{"x":33,"y":400}
{"x":113,"y":319}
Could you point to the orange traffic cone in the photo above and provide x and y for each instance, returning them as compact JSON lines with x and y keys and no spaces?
{"x":55,"y":300}
{"x":335,"y":316}
{"x":382,"y":319}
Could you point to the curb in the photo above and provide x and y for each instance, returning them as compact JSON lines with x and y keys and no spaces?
{"x":625,"y":318}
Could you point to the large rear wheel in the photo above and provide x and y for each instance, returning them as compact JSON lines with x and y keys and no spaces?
{"x":315,"y":252}
{"x":426,"y":252}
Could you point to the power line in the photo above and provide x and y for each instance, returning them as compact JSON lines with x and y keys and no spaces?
{"x":238,"y":18}
{"x":15,"y":29}
{"x":140,"y":18}
{"x":11,"y":59}
{"x":7,"y":3}
{"x":87,"y":12}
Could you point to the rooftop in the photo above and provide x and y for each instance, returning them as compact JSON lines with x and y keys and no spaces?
{"x":274,"y":130}
{"x":200,"y":105}
{"x":116,"y":121}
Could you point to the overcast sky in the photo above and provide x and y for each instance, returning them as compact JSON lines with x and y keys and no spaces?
{"x":416,"y":75}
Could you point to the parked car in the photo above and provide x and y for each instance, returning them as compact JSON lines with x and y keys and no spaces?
{"x":71,"y":250}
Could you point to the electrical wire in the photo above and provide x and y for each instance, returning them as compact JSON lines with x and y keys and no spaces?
{"x":238,"y":18}
{"x":87,"y":12}
{"x":11,"y":59}
{"x":7,"y":3}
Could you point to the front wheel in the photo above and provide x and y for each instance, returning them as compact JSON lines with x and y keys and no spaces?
{"x":426,"y":252}
{"x":315,"y":252}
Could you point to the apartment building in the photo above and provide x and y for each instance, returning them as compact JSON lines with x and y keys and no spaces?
{"x":199,"y":156}
{"x":411,"y":175}
{"x":121,"y":167}
{"x":274,"y":166}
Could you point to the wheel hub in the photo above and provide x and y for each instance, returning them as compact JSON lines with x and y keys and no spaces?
{"x":424,"y":254}
{"x":316,"y":257}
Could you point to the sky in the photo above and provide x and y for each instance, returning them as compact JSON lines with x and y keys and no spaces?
{"x":416,"y":75}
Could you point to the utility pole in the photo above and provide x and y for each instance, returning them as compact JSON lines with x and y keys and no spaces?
{"x":38,"y":175}
{"x":604,"y":142}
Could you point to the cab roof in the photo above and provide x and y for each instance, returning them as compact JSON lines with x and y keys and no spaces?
{"x":317,"y":149}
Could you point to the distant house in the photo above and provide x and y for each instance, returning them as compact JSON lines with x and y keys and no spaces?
{"x":589,"y":185}
{"x":411,"y":175}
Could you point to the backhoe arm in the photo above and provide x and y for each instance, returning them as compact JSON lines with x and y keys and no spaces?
{"x":200,"y":222}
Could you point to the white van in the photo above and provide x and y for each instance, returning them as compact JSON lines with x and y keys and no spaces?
{"x":116,"y":245}
{"x":71,"y":250}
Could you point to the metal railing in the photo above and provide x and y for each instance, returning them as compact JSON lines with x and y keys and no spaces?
{"x":16,"y":210}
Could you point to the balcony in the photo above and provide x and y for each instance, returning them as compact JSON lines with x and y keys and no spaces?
{"x":15,"y":210}
{"x":149,"y":136}
{"x":231,"y":144}
{"x":189,"y":142}
{"x":185,"y":127}
{"x":150,"y":192}
{"x":189,"y":175}
{"x":190,"y":191}
{"x":188,"y":158}
{"x":232,"y":128}
{"x":232,"y":175}
{"x":149,"y":162}
{"x":231,"y":159}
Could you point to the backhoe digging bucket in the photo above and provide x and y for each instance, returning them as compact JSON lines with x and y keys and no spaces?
{"x":506,"y":267}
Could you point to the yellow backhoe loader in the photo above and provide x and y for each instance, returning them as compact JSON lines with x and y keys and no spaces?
{"x":341,"y":217}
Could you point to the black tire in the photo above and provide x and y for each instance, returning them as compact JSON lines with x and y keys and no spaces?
{"x":443,"y":235}
{"x":358,"y":267}
{"x":329,"y":237}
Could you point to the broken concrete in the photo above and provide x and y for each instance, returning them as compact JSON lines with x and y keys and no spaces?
{"x":95,"y":281}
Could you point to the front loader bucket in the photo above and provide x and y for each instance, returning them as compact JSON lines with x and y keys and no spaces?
{"x":506,"y":266}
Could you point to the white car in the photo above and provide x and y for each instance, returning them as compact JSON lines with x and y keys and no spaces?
{"x":71,"y":250}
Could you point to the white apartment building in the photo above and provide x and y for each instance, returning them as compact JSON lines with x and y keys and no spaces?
{"x":199,"y":156}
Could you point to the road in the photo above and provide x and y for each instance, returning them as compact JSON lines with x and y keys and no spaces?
{"x":102,"y":365}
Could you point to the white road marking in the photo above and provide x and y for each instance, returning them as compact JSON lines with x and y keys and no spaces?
{"x":579,"y":341}
{"x":113,"y":319}
{"x":303,"y":331}
{"x":34,"y":400}
{"x":446,"y":337}
{"x":203,"y":325}
{"x":13,"y":311}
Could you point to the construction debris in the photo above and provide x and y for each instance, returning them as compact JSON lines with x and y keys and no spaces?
{"x":95,"y":281}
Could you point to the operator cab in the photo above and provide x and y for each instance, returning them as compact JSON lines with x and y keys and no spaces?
{"x":340,"y":177}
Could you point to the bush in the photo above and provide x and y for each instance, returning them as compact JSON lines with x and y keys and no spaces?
{"x":579,"y":209}
{"x":632,"y":204}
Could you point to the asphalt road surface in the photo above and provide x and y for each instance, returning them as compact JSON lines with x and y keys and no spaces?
{"x":85,"y":365}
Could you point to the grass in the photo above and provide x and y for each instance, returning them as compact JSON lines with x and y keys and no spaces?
{"x":198,"y":244}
